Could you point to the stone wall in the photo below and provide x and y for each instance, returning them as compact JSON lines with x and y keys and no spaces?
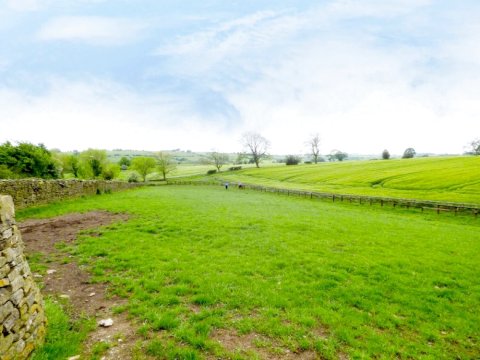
{"x":22,"y":318}
{"x":28,"y":192}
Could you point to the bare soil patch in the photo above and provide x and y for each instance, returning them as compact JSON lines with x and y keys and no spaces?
{"x":70,"y":281}
{"x":260,"y":345}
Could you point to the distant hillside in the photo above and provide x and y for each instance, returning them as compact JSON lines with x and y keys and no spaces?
{"x":433,"y":178}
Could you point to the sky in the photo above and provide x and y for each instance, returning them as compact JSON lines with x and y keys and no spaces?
{"x":366,"y":75}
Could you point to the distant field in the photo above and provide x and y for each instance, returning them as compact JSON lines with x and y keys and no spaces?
{"x":454,"y":179}
{"x":236,"y":274}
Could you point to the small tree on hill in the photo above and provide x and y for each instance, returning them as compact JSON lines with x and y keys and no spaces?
{"x":144,"y":165}
{"x":218,"y":159}
{"x":337,"y":155}
{"x":257,"y":145}
{"x":385,"y":155}
{"x":409,"y":153}
{"x":165,"y":163}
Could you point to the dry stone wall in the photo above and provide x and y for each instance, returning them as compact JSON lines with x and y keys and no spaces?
{"x":22,"y":318}
{"x":28,"y":192}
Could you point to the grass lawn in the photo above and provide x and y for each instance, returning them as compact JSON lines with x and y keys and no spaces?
{"x":204,"y":268}
{"x":437,"y":178}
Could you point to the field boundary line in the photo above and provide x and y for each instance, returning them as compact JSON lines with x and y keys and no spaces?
{"x":437,"y":206}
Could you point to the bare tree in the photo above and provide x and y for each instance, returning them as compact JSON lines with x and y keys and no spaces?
{"x":257,"y":145}
{"x":165,"y":163}
{"x":314,"y":144}
{"x":218,"y":159}
{"x":475,"y":147}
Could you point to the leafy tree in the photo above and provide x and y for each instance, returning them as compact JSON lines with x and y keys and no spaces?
{"x":124,"y":161}
{"x":28,"y":160}
{"x":337,"y":155}
{"x":475,"y":147}
{"x":165,"y":163}
{"x":314,"y":144}
{"x":409,"y":153}
{"x":218,"y":159}
{"x":93,"y":161}
{"x":144,"y":165}
{"x":257,"y":145}
{"x":385,"y":155}
{"x":70,"y":164}
{"x":292,"y":160}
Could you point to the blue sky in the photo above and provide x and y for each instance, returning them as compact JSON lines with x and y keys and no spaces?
{"x":365,"y":75}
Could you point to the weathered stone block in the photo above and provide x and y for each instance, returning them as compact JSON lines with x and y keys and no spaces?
{"x":9,"y":254}
{"x":14,"y":273}
{"x":7,"y":211}
{"x":17,"y":296}
{"x":5,"y":294}
{"x":5,"y":343}
{"x":28,"y":284}
{"x":17,"y":283}
{"x":20,"y":346}
{"x":4,"y":271}
{"x":31,"y":299}
{"x":3,"y":261}
{"x":5,"y":310}
{"x":8,"y":233}
{"x":11,"y":320}
{"x":4,"y":282}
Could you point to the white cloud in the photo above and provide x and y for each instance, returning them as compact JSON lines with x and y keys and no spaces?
{"x":102,"y":114}
{"x":375,"y":8}
{"x":95,"y":30}
{"x":25,"y":5}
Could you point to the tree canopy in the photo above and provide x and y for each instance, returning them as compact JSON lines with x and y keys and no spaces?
{"x":409,"y":153}
{"x":257,"y":145}
{"x":27,"y":160}
{"x":144,"y":165}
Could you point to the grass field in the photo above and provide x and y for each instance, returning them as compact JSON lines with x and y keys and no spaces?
{"x":278,"y":275}
{"x":454,"y":179}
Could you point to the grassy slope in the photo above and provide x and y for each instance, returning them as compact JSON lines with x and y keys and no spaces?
{"x":305,"y":275}
{"x":447,"y":179}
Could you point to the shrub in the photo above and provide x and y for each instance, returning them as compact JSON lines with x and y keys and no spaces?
{"x":385,"y":155}
{"x":6,"y":173}
{"x":233,"y":168}
{"x":133,"y":178}
{"x":111,"y":171}
{"x":211,"y":172}
{"x":292,"y":160}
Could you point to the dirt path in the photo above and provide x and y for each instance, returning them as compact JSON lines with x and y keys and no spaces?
{"x":68,"y":280}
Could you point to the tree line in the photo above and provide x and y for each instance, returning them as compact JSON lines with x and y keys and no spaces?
{"x":26,"y":160}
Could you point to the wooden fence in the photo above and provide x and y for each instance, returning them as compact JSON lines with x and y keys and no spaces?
{"x":423,"y":205}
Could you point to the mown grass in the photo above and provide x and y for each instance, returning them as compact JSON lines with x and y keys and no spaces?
{"x":438,"y":178}
{"x":303,"y":275}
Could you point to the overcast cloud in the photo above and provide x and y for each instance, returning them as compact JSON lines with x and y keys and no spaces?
{"x":366,"y":75}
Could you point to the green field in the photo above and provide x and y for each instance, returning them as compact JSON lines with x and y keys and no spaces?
{"x":455,"y":179}
{"x":279,"y":275}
